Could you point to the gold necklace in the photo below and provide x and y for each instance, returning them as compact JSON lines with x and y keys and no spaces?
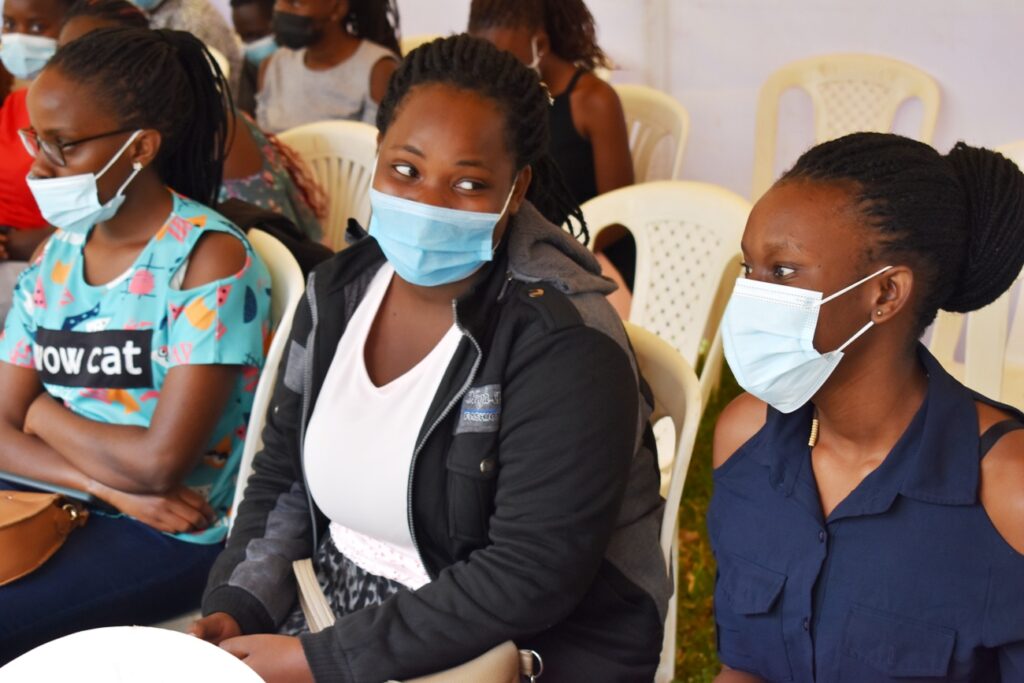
{"x":812,"y":440}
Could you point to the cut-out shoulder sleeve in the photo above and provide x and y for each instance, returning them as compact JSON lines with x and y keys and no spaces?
{"x":216,"y":256}
{"x":1002,"y":488}
{"x":223,"y":320}
{"x":740,"y":420}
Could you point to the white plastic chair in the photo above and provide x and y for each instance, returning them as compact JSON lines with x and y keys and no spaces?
{"x":658,"y":126}
{"x":222,"y":61}
{"x":408,"y":44}
{"x":677,"y":396}
{"x":285,"y":293}
{"x":850,"y":93}
{"x":287,"y":286}
{"x":993,"y":348}
{"x":341,"y":155}
{"x":687,"y":241}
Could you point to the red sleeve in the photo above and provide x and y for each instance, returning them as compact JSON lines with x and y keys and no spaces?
{"x":17,"y":207}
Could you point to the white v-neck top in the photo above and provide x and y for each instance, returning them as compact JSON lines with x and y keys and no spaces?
{"x":360,"y":442}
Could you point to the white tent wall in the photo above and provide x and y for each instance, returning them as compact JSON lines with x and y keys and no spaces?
{"x":713,"y":56}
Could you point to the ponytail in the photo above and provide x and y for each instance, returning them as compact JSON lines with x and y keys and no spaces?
{"x":993,"y":191}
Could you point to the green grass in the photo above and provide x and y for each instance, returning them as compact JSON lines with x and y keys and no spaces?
{"x":695,"y":654}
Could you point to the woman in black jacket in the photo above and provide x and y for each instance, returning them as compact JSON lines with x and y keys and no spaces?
{"x":526,"y":504}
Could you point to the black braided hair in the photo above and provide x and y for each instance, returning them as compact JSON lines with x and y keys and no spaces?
{"x":568,"y":23}
{"x":958,"y":220}
{"x":475,"y":65}
{"x":374,"y":20}
{"x":164,"y":80}
{"x":120,"y":12}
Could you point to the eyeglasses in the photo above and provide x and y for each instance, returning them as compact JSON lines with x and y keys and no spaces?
{"x":54,"y":151}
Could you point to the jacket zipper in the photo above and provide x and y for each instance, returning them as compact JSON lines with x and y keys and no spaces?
{"x":440,"y":418}
{"x":307,"y":383}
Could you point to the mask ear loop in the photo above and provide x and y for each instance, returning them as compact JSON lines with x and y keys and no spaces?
{"x":855,"y":285}
{"x":117,"y":156}
{"x":508,"y":200}
{"x":871,"y":323}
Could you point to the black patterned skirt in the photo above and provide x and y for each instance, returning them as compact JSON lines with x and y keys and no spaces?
{"x":348,"y":588}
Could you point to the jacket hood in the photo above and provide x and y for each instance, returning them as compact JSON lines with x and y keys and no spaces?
{"x":539,"y":250}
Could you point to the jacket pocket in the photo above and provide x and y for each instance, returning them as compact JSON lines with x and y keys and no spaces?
{"x":749,"y":618}
{"x":879,"y":646}
{"x":472,"y":477}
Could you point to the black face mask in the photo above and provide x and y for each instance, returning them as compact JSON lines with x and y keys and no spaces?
{"x":294,"y":31}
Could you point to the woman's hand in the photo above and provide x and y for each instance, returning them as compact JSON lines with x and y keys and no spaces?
{"x":179,"y":511}
{"x":277,"y":659}
{"x":216,"y":628}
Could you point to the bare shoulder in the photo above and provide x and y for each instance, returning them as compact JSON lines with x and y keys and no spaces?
{"x":1002,"y":480}
{"x":740,"y":420}
{"x":380,"y":75}
{"x":596,"y":94}
{"x":217,"y":255}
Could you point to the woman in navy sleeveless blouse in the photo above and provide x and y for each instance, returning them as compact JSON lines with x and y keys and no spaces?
{"x":868,"y":511}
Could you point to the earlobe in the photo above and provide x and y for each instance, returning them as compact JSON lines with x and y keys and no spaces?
{"x":896,"y":290}
{"x":147,"y":146}
{"x":521,"y":188}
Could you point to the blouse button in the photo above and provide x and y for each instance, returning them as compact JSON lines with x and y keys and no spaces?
{"x":821,"y":536}
{"x":807,"y":624}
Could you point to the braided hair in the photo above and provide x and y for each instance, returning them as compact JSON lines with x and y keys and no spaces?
{"x":475,"y":65}
{"x":120,"y":12}
{"x":165,"y":80}
{"x":374,"y":20}
{"x":568,"y":23}
{"x":958,"y":219}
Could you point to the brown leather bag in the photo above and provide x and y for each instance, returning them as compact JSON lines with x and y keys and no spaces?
{"x":33,"y":526}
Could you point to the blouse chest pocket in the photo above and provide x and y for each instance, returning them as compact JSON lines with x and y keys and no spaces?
{"x":472,"y":479}
{"x":878,"y":647}
{"x":749,"y":618}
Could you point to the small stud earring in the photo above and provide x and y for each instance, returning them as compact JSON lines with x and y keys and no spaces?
{"x":137,"y":165}
{"x":878,"y":312}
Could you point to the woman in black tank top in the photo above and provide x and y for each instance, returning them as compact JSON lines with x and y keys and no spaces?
{"x":589,"y":140}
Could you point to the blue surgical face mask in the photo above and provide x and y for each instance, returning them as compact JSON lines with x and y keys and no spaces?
{"x":72,"y":203}
{"x":24,"y":56}
{"x":768,"y":335}
{"x":260,"y":49}
{"x":430,"y":245}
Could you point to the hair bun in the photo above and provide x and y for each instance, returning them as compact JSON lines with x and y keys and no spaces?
{"x":994,"y":193}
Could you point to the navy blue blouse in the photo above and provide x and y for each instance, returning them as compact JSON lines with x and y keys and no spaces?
{"x":907,"y":579}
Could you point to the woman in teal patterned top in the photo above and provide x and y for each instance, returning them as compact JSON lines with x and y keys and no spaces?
{"x":135,"y":343}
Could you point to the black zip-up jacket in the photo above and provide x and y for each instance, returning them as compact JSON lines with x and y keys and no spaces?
{"x":536,"y":518}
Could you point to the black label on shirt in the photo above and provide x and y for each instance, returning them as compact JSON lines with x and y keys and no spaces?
{"x":112,"y":359}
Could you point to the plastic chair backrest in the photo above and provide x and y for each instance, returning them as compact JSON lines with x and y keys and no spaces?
{"x":222,"y":61}
{"x":687,"y":236}
{"x":410,"y":43}
{"x":992,"y":338}
{"x":850,"y":93}
{"x":658,"y":126}
{"x":677,"y":396}
{"x":287,"y":286}
{"x":341,"y":155}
